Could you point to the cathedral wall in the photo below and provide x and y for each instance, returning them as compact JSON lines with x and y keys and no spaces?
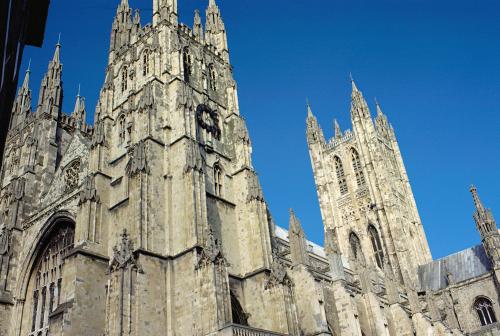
{"x":5,"y":318}
{"x":266,"y":307}
{"x":465,"y":294}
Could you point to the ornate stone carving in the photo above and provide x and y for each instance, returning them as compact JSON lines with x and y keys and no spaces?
{"x":137,"y":162}
{"x":5,"y":239}
{"x":123,"y":255}
{"x":146,"y":102}
{"x":212,"y":251}
{"x":19,"y":186}
{"x":72,"y":175}
{"x":88,"y":192}
{"x":254,"y":189}
{"x":278,"y":274}
{"x":98,"y":136}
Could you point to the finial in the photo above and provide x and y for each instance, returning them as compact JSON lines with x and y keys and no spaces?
{"x":477,"y":201}
{"x":308,"y":106}
{"x":379,"y":109}
{"x":59,"y":40}
{"x":78,"y":94}
{"x":354,"y":87}
{"x":338,"y":131}
{"x":29,"y":66}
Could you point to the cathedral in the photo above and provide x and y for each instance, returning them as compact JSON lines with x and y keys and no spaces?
{"x":153,"y":222}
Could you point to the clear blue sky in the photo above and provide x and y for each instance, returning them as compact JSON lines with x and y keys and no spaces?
{"x":433,"y":65}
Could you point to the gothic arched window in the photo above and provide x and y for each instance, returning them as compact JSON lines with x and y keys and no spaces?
{"x":339,"y":169}
{"x":187,"y":64}
{"x":212,"y":77}
{"x":47,"y":275}
{"x":124,"y":79}
{"x":145,"y":65}
{"x":358,"y":168}
{"x":218,"y":180}
{"x":239,"y":316}
{"x":378,"y":251}
{"x":485,"y":312}
{"x":355,"y":244}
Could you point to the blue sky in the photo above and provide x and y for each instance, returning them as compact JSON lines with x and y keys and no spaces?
{"x":433,"y":65}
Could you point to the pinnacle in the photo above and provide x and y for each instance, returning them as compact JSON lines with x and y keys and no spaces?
{"x":354,"y":87}
{"x":477,"y":200}
{"x":309,"y":113}
{"x":57,"y":52}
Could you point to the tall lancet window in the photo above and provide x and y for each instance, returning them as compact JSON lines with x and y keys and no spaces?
{"x":339,"y":168}
{"x":485,"y":312}
{"x":124,"y":79}
{"x":187,"y":64}
{"x":47,"y":276}
{"x":358,"y":168}
{"x":378,"y":251}
{"x":355,"y":244}
{"x":218,"y":180}
{"x":212,"y":77}
{"x":145,"y":65}
{"x":121,"y":129}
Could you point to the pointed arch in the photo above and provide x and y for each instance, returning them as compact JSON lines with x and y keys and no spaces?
{"x":122,"y":128}
{"x":218,"y":179}
{"x":485,"y":312}
{"x":124,"y":78}
{"x":357,"y":167}
{"x":187,"y":64}
{"x":40,"y":279}
{"x":238,"y":314}
{"x":146,"y":62}
{"x":378,"y":251}
{"x":339,"y":169}
{"x":212,"y":77}
{"x":355,"y":245}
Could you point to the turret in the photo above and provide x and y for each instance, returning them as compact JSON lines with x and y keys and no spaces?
{"x":381,"y":122}
{"x":51,"y":92}
{"x":314,"y":131}
{"x":197,"y":26}
{"x":22,"y":104}
{"x":215,"y":29}
{"x":487,"y":228}
{"x":359,"y":107}
{"x":122,"y":26}
{"x":165,"y":10}
{"x":298,"y":244}
{"x":338,"y":131}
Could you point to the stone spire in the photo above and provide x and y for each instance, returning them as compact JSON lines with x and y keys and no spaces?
{"x":122,"y":26}
{"x":164,"y":10}
{"x":79,"y":111}
{"x":215,"y":29}
{"x":338,"y":131}
{"x":487,"y":228}
{"x":51,"y":92}
{"x":22,"y":104}
{"x":381,"y":121}
{"x":298,"y":245}
{"x":197,"y":26}
{"x":314,"y":131}
{"x":359,"y":107}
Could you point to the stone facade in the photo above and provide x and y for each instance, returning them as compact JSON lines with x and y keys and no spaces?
{"x":153,"y":222}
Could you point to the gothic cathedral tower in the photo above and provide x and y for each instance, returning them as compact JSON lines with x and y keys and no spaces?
{"x":364,"y":192}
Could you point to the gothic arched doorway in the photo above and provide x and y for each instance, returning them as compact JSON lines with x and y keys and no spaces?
{"x":46,"y":278}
